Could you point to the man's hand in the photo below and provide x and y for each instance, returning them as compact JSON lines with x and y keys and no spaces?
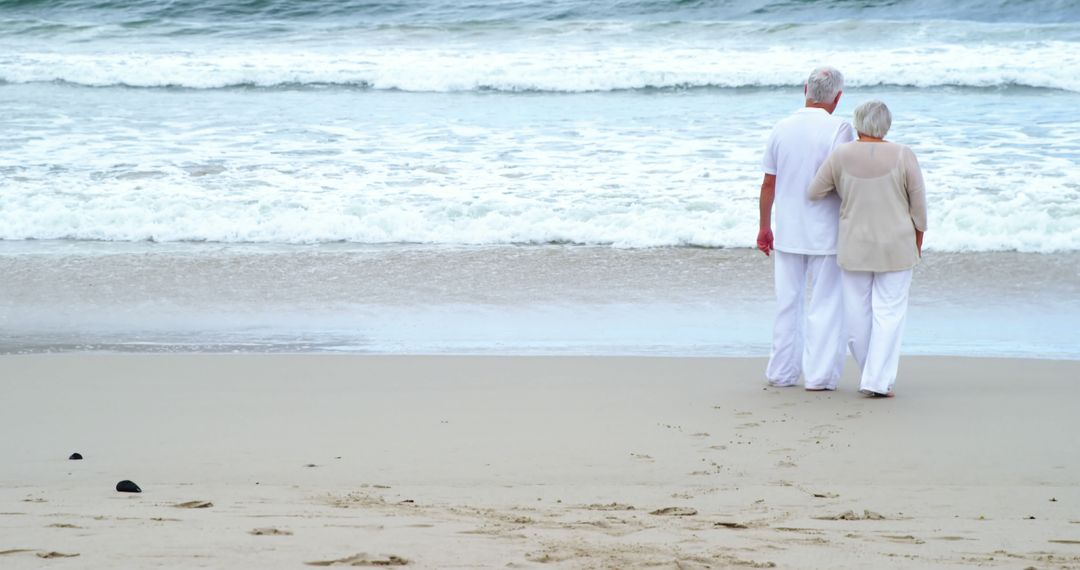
{"x":918,"y":241}
{"x":764,"y":240}
{"x":768,"y":194}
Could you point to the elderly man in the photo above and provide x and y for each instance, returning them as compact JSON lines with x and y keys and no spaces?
{"x":807,"y":336}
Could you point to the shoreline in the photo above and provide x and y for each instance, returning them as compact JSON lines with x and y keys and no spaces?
{"x":551,"y":300}
{"x":529,"y":462}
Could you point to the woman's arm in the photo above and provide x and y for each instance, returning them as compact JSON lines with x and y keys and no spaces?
{"x":825,"y":179}
{"x":916,"y":192}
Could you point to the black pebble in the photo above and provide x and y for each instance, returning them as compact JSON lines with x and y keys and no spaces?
{"x":75,"y":456}
{"x":126,"y":486}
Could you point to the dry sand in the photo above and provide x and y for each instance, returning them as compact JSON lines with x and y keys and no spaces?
{"x":514,"y":462}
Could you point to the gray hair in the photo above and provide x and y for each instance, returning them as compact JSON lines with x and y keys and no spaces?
{"x":824,"y":84}
{"x":873,"y":118}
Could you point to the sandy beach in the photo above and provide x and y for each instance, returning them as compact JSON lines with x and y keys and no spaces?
{"x":444,"y":284}
{"x":293,"y":461}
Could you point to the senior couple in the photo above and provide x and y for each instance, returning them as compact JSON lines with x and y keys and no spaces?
{"x":850,"y":212}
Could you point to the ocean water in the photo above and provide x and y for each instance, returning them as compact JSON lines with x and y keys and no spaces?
{"x":164,"y":142}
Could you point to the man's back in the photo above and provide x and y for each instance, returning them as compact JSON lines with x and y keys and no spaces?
{"x":808,"y":330}
{"x":797,"y":147}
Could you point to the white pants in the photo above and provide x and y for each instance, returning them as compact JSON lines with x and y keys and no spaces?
{"x":808,"y":338}
{"x":875,"y":308}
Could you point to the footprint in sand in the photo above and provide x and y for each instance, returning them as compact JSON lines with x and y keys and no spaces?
{"x":853,"y":516}
{"x":362,"y":560}
{"x":194,"y":505}
{"x":601,"y":524}
{"x":609,"y":507}
{"x":797,"y":529}
{"x":907,"y":538}
{"x":270,"y":531}
{"x":825,"y":429}
{"x":713,"y":469}
{"x":675,"y":512}
{"x":50,"y":554}
{"x":485,"y":531}
{"x":552,"y":555}
{"x":819,"y":434}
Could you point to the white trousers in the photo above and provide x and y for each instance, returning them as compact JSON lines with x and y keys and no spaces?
{"x":875,"y":308}
{"x":808,"y":337}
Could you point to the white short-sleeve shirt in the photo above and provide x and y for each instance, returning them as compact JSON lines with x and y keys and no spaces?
{"x":797,"y":146}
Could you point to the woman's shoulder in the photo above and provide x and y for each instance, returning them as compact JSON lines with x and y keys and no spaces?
{"x":906,"y":155}
{"x":854,"y":150}
{"x":846,"y":148}
{"x":902,"y":148}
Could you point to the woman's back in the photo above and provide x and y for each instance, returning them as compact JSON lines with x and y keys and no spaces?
{"x":882,"y":202}
{"x":871,"y":160}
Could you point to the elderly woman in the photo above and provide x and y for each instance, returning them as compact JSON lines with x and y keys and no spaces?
{"x":882,"y":220}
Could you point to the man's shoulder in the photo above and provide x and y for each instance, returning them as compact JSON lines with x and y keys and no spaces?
{"x":801,"y":119}
{"x":793,"y":118}
{"x":836,"y":122}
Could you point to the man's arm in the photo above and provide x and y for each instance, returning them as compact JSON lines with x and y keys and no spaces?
{"x":844,"y":134}
{"x":768,"y":194}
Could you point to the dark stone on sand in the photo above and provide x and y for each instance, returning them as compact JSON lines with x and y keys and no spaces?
{"x":75,"y":456}
{"x":126,"y":486}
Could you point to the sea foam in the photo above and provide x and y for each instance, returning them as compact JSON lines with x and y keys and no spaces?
{"x":570,"y":69}
{"x":632,"y":132}
{"x":171,"y":209}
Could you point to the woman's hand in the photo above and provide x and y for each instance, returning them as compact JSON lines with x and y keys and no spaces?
{"x":918,"y":241}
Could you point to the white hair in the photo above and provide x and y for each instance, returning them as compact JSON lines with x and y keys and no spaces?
{"x":873,"y":118}
{"x":824,"y":84}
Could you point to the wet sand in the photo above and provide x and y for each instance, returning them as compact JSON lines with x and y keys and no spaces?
{"x":508,"y":300}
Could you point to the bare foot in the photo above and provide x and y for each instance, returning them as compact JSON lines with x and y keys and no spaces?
{"x":873,"y":394}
